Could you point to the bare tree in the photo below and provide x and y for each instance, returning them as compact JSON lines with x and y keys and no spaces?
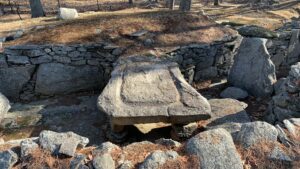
{"x":58,"y":3}
{"x":36,"y":9}
{"x":216,"y":2}
{"x":185,"y":5}
{"x":171,"y":4}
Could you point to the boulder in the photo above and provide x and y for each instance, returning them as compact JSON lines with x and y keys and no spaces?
{"x":256,"y":31}
{"x":168,"y":142}
{"x":253,"y":70}
{"x":56,"y":78}
{"x":13,"y":79}
{"x":4,"y":106}
{"x":67,"y":13}
{"x":8,"y":159}
{"x":215,"y":149}
{"x":256,"y":132}
{"x":234,"y":93}
{"x":157,"y":159}
{"x":103,"y":161}
{"x":150,"y":90}
{"x":227,"y":111}
{"x":61,"y":143}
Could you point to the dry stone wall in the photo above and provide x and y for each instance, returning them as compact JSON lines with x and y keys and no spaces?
{"x":206,"y":61}
{"x":30,"y":71}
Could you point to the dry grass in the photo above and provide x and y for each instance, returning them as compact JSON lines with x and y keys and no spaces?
{"x":257,"y":156}
{"x":43,"y":159}
{"x":168,"y":29}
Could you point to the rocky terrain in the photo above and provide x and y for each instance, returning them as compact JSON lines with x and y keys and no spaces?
{"x":226,"y":102}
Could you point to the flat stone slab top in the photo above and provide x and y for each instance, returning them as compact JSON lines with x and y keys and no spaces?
{"x":149,"y":90}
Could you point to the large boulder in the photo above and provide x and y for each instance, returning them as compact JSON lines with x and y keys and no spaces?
{"x":61,"y":143}
{"x":67,"y":13}
{"x":256,"y":132}
{"x":4,"y":106}
{"x":215,"y":149}
{"x":253,"y":70}
{"x":13,"y":79}
{"x":149,"y":90}
{"x":56,"y":78}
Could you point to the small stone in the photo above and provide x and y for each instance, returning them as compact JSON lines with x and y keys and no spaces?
{"x":18,"y":60}
{"x":4,"y":106}
{"x":103,"y":161}
{"x":106,"y":147}
{"x":53,"y":141}
{"x":47,"y":50}
{"x":126,"y":165}
{"x":207,"y":73}
{"x":27,"y":147}
{"x":62,"y":59}
{"x":234,"y":93}
{"x":291,"y":128}
{"x":157,"y":159}
{"x":77,"y":161}
{"x":74,"y":54}
{"x":255,"y":132}
{"x":68,"y":147}
{"x":168,"y":142}
{"x":139,"y":33}
{"x":93,"y":62}
{"x":78,"y":62}
{"x":8,"y":159}
{"x":34,"y":53}
{"x":41,"y":59}
{"x":117,"y":51}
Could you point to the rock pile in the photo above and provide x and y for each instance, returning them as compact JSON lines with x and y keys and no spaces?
{"x":286,"y":103}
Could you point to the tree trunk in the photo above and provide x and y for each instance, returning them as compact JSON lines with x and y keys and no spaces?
{"x":36,"y":9}
{"x":185,"y":5}
{"x":171,"y":4}
{"x":216,"y":3}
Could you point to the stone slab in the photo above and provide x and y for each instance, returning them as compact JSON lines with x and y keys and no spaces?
{"x":149,"y":90}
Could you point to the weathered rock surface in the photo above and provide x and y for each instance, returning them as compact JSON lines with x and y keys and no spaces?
{"x":56,"y":78}
{"x":253,"y":70}
{"x":157,"y":159}
{"x":103,"y":161}
{"x":256,"y":132}
{"x":4,"y":106}
{"x":13,"y":79}
{"x":215,"y":149}
{"x":147,"y":90}
{"x":227,"y":111}
{"x":234,"y":93}
{"x":8,"y":159}
{"x":78,"y":161}
{"x":168,"y":142}
{"x":27,"y":147}
{"x":67,"y":13}
{"x":293,"y":54}
{"x":256,"y":31}
{"x":64,"y":143}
